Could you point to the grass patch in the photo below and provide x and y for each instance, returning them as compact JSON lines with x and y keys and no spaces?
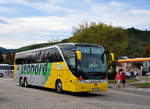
{"x":128,"y":81}
{"x":112,"y":81}
{"x":142,"y":85}
{"x":132,"y":80}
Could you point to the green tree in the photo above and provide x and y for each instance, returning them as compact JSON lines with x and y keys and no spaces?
{"x":137,"y":39}
{"x":146,"y":52}
{"x":113,"y":39}
{"x":1,"y":57}
{"x":9,"y":59}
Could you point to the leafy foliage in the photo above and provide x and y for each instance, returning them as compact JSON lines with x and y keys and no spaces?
{"x":9,"y":59}
{"x":137,"y":40}
{"x":130,"y":42}
{"x":1,"y":57}
{"x":113,"y":39}
{"x":146,"y":52}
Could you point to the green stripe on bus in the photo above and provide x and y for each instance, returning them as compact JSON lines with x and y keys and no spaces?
{"x":48,"y":72}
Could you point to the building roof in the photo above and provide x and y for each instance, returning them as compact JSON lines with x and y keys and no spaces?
{"x":133,"y":60}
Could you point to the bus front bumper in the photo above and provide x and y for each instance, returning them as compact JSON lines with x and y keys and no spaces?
{"x":91,"y":87}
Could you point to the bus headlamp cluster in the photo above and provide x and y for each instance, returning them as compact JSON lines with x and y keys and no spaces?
{"x":92,"y":81}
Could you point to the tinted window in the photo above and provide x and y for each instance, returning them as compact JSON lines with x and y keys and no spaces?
{"x":42,"y":56}
{"x":68,"y":51}
{"x":27,"y":58}
{"x":51,"y":55}
{"x":20,"y":61}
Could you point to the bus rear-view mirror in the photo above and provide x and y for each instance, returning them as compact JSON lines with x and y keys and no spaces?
{"x":79,"y":55}
{"x":111,"y":54}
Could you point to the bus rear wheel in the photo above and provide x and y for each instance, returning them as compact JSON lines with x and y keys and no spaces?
{"x":59,"y":86}
{"x":25,"y":82}
{"x":21,"y":82}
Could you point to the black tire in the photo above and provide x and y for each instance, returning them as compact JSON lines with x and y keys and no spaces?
{"x":21,"y":82}
{"x":25,"y":82}
{"x":58,"y":86}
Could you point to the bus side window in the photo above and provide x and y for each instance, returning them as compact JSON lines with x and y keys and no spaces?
{"x":47,"y":58}
{"x":27,"y":60}
{"x":59,"y":58}
{"x":43,"y":57}
{"x":52,"y":57}
{"x":20,"y":61}
{"x":38,"y":58}
{"x":47,"y":55}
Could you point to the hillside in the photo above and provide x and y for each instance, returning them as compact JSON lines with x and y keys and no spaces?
{"x":35,"y":46}
{"x":137,"y":40}
{"x":6,"y":51}
{"x":122,"y":42}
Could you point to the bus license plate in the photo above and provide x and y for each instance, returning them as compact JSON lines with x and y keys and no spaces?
{"x":95,"y":89}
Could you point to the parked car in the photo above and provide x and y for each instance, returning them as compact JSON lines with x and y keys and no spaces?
{"x":148,"y":74}
{"x":128,"y":75}
{"x":1,"y":75}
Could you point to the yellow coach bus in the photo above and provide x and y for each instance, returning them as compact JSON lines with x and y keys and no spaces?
{"x":65,"y":67}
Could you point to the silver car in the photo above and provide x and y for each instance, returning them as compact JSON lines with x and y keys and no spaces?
{"x":148,"y":74}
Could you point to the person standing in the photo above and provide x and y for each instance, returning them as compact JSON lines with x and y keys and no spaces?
{"x":135,"y":74}
{"x":132,"y":75}
{"x":123,"y":78}
{"x":118,"y":79}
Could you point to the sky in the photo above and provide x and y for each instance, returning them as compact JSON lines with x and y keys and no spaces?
{"x":27,"y":22}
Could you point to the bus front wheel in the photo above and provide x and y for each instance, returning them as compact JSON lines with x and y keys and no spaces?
{"x":59,"y":86}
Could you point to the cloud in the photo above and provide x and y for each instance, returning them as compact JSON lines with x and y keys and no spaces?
{"x":42,"y":5}
{"x":51,"y":8}
{"x":36,"y":29}
{"x":7,"y":10}
{"x":18,"y":43}
{"x":29,"y":30}
{"x":87,"y":1}
{"x":140,"y":12}
{"x":118,"y":4}
{"x":36,"y":1}
{"x":2,"y":21}
{"x":44,"y":1}
{"x":121,"y":14}
{"x":21,"y":26}
{"x":2,"y":1}
{"x":38,"y":4}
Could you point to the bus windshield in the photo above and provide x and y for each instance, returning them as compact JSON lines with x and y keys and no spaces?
{"x":92,"y":64}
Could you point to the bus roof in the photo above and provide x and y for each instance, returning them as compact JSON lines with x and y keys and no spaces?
{"x":56,"y":45}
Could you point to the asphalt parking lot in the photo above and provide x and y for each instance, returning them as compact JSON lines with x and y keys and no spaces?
{"x":13,"y":96}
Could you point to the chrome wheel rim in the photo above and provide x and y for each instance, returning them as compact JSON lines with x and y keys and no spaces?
{"x":59,"y":87}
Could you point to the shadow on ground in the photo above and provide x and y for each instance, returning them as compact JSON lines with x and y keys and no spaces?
{"x":79,"y":94}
